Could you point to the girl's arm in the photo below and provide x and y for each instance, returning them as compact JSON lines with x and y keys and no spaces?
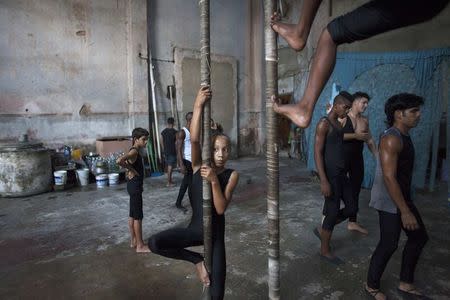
{"x":203,"y":95}
{"x":221,"y":199}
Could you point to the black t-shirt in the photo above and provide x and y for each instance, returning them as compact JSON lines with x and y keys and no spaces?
{"x":169,"y":138}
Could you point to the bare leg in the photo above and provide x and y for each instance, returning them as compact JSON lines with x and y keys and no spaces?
{"x":325,"y":237}
{"x":322,"y":67}
{"x":169,"y":176}
{"x":202,"y":273}
{"x":133,"y":236}
{"x":140,"y":246}
{"x":296,"y":35}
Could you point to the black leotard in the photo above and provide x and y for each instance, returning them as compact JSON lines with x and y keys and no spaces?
{"x":172,"y":242}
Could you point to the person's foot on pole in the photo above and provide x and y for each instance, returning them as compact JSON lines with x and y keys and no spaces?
{"x":298,"y":113}
{"x":295,"y":39}
{"x":353,"y":226}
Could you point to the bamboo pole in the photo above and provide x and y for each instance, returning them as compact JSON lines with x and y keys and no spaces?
{"x":273,"y":248}
{"x":205,"y":80}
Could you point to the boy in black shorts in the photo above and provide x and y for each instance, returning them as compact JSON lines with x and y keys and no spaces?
{"x":132,"y":161}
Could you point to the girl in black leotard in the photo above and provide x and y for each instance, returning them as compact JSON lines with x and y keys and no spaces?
{"x":172,"y":243}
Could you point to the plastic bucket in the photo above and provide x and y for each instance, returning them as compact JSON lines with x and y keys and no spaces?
{"x":83,"y":176}
{"x":113,"y":178}
{"x":60,"y":177}
{"x":102,"y":180}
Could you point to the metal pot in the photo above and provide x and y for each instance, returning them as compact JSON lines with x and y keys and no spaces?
{"x":25,"y":169}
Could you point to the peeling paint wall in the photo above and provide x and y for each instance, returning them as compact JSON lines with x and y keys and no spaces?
{"x":70,"y":70}
{"x":236,"y":32}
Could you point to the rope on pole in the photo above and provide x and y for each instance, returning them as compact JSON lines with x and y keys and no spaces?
{"x":273,"y":247}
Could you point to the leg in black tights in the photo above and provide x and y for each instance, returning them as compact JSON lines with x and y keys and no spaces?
{"x":390,"y":228}
{"x":186,"y":183}
{"x":171,"y":243}
{"x":356,"y":174}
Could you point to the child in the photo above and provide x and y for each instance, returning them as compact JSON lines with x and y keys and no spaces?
{"x":172,"y":243}
{"x":132,"y":161}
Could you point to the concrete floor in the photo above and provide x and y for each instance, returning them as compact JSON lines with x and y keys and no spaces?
{"x":74,"y":244}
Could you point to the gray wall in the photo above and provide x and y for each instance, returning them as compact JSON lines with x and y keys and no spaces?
{"x":70,"y":71}
{"x":235,"y":28}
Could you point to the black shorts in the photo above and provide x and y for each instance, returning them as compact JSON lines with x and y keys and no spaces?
{"x":171,"y":160}
{"x":380,"y":16}
{"x":134,"y":188}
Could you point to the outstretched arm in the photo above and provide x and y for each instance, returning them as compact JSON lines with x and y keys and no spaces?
{"x":203,"y":95}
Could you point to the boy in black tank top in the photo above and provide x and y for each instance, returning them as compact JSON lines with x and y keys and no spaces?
{"x":391,"y":196}
{"x":132,"y":161}
{"x":330,"y":164}
{"x":172,"y":243}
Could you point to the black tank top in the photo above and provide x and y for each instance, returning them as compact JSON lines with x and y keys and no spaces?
{"x":334,"y":150}
{"x":352,"y":147}
{"x":139,"y":167}
{"x":405,"y":165}
{"x":218,"y":221}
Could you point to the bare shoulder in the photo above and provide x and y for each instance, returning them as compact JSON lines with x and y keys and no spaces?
{"x":391,"y":143}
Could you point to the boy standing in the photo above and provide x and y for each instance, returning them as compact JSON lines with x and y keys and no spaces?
{"x":132,"y":161}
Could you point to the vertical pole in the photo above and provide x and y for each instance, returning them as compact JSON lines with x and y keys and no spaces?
{"x":273,"y":248}
{"x":205,"y":80}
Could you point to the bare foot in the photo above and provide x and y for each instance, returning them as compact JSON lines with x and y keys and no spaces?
{"x":142,"y":249}
{"x":288,"y":31}
{"x":356,"y":227}
{"x":375,"y":293}
{"x":299,"y":113}
{"x":170,"y":184}
{"x":133,"y":243}
{"x":408,"y":288}
{"x":202,"y":273}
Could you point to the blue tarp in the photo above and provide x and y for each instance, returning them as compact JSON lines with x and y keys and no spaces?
{"x":382,"y":75}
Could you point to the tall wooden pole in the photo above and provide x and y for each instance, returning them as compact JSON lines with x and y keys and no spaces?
{"x":273,"y":248}
{"x":205,"y":80}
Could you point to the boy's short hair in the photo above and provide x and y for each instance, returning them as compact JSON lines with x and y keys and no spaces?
{"x":139,"y":132}
{"x":359,"y":95}
{"x":171,"y":121}
{"x":343,"y":94}
{"x":400,"y":102}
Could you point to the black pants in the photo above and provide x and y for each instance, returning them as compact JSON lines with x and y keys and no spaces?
{"x":172,"y":243}
{"x":341,"y":190}
{"x":356,"y":175}
{"x":390,"y":227}
{"x":134,"y":189}
{"x":380,"y":16}
{"x":186,"y":183}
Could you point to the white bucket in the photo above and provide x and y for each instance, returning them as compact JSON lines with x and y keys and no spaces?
{"x":102,"y":180}
{"x":113,"y":178}
{"x":60,"y":177}
{"x":83,"y":176}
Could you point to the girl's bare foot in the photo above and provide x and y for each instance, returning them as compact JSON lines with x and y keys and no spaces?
{"x":298,"y":113}
{"x":202,"y":273}
{"x":142,"y":249}
{"x":375,"y":293}
{"x":288,"y":31}
{"x":356,"y":227}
